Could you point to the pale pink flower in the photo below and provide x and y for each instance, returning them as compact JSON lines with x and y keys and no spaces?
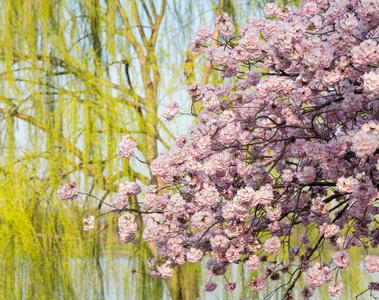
{"x":155,"y":274}
{"x":287,"y":175}
{"x":227,"y":29}
{"x":127,"y":227}
{"x":245,"y":195}
{"x":341,"y":259}
{"x":257,"y":284}
{"x":202,"y":219}
{"x":165,"y":271}
{"x":171,"y":111}
{"x":176,"y":204}
{"x":210,"y":286}
{"x":365,"y":53}
{"x":272,"y":245}
{"x":119,"y":204}
{"x":348,"y":23}
{"x":196,"y":45}
{"x":336,"y":290}
{"x":194,"y":255}
{"x":329,"y":230}
{"x":345,"y":242}
{"x":345,"y":185}
{"x":230,"y":287}
{"x":151,"y":261}
{"x":211,"y":102}
{"x":253,"y":262}
{"x":371,"y":82}
{"x":270,"y":9}
{"x":310,"y":9}
{"x":253,"y":77}
{"x":251,"y":42}
{"x":219,"y":243}
{"x":90,"y":223}
{"x":233,"y":254}
{"x":318,"y":275}
{"x":129,"y":189}
{"x":273,"y":213}
{"x":68,"y":191}
{"x":204,"y":32}
{"x":364,"y":144}
{"x":307,"y":175}
{"x":372,"y":263}
{"x":223,"y":18}
{"x":126,"y":147}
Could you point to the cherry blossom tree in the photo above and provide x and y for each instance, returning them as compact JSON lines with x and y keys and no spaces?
{"x":288,"y":144}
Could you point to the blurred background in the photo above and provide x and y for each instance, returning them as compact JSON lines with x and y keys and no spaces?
{"x":76,"y":75}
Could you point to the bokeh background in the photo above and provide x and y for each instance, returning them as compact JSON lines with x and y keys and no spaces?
{"x":76,"y":75}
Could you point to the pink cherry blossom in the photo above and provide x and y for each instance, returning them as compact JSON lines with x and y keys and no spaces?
{"x":196,"y":45}
{"x":165,"y":271}
{"x":227,"y":29}
{"x":318,"y":275}
{"x":272,"y":245}
{"x":194,"y":255}
{"x":90,"y":223}
{"x":127,"y":227}
{"x":219,"y":243}
{"x":230,"y":287}
{"x":223,"y":18}
{"x":257,"y":284}
{"x":372,"y":263}
{"x":119,"y":203}
{"x":126,"y":147}
{"x":233,"y":254}
{"x":204,"y":32}
{"x":345,"y":185}
{"x":364,"y":144}
{"x":129,"y":189}
{"x":270,"y":9}
{"x":329,"y":230}
{"x":68,"y":191}
{"x":171,"y":111}
{"x":371,"y":82}
{"x":210,"y":286}
{"x":336,"y":290}
{"x":310,"y":9}
{"x":253,"y":262}
{"x":287,"y":175}
{"x":341,"y":259}
{"x":273,"y":213}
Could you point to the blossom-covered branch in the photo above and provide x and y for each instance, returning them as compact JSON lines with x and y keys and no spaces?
{"x":289,"y":144}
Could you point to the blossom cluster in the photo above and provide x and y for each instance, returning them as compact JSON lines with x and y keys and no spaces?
{"x":171,"y":111}
{"x":129,"y":189}
{"x":126,"y":147}
{"x":68,"y":191}
{"x":127,"y":227}
{"x":90,"y":223}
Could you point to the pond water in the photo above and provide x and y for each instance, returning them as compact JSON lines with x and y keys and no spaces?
{"x":119,"y":283}
{"x":98,"y":274}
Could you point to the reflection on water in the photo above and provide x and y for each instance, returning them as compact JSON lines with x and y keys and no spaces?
{"x":119,"y":283}
{"x":83,"y":269}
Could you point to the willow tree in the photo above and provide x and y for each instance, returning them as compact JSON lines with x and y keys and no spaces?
{"x":74,"y":77}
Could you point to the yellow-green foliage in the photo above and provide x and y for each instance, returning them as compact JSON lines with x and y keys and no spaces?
{"x":71,"y":83}
{"x":61,"y":118}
